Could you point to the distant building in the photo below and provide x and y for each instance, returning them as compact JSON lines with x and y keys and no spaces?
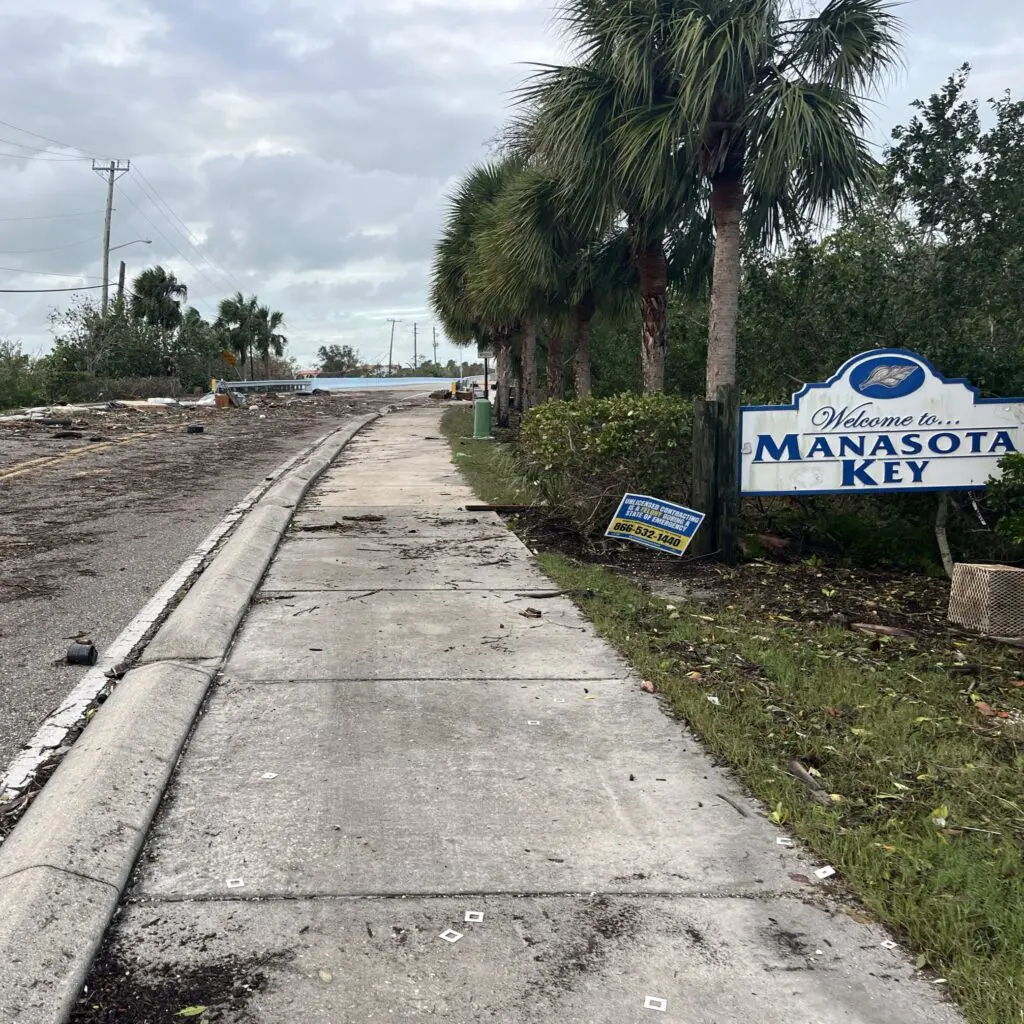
{"x":307,"y":374}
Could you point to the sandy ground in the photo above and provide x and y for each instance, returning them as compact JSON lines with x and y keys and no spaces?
{"x":91,"y":526}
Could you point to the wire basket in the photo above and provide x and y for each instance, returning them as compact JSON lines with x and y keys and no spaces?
{"x":988,"y":599}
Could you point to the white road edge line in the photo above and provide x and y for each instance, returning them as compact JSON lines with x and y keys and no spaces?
{"x":55,"y":728}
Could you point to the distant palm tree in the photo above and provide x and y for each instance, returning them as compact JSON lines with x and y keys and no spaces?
{"x":239,"y":324}
{"x":268,"y":337}
{"x":565,"y":273}
{"x":469,"y":309}
{"x":157,"y":297}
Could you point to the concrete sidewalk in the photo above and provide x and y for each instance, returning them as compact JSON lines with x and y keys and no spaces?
{"x":392,"y":745}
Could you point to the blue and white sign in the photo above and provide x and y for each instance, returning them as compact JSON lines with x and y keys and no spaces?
{"x":654,"y":523}
{"x":887,"y":421}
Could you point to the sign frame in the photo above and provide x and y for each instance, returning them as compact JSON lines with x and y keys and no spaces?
{"x":649,"y":521}
{"x":904,"y":356}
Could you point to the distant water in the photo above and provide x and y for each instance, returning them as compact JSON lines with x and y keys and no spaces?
{"x":345,"y":383}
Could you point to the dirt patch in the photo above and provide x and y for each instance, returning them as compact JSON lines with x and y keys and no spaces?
{"x":55,"y":492}
{"x":120,"y":991}
{"x":809,"y":592}
{"x":600,"y":926}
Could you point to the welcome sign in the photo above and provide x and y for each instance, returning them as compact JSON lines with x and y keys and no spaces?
{"x":887,"y":421}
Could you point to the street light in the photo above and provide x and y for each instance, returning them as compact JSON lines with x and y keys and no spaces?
{"x":120,"y":278}
{"x":144,"y":241}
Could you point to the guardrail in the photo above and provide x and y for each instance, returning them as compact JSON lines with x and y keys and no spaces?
{"x":298,"y":386}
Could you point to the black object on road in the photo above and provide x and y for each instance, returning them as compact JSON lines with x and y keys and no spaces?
{"x":194,"y":428}
{"x":82,"y":654}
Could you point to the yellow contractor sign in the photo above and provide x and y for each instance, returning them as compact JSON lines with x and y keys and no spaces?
{"x":654,"y":523}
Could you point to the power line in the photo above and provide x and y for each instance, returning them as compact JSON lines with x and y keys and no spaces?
{"x":45,"y":273}
{"x":55,"y":248}
{"x":174,"y":248}
{"x":51,"y":216}
{"x":55,"y":142}
{"x":40,"y":291}
{"x":46,"y":159}
{"x":25,"y":145}
{"x":144,"y":183}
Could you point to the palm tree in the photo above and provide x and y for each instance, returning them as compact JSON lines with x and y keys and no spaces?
{"x":238,"y":323}
{"x":769,"y":110}
{"x":268,"y":337}
{"x":157,"y":297}
{"x":456,"y":289}
{"x":578,"y":120}
{"x":562,"y":271}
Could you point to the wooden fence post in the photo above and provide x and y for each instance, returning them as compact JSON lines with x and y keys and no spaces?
{"x":727,"y":476}
{"x":703,"y":478}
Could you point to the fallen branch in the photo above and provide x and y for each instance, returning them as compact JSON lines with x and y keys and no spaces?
{"x":501,"y":508}
{"x":735,"y":806}
{"x":870,"y":627}
{"x":810,"y":783}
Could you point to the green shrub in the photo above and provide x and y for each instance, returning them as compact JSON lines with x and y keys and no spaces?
{"x":19,"y":378}
{"x":1006,"y":498}
{"x":584,"y":454}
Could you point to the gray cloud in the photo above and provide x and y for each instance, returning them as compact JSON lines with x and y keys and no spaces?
{"x":306,"y":146}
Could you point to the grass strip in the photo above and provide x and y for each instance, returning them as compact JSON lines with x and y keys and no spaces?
{"x":921,"y":762}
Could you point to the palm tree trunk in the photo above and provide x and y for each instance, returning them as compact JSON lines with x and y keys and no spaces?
{"x":727,"y":206}
{"x":582,"y":314}
{"x":529,"y":388}
{"x":556,"y":363}
{"x":652,"y":268}
{"x":502,"y":368}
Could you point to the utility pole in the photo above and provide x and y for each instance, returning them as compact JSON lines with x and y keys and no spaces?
{"x":434,"y":329}
{"x":391,"y":347}
{"x":120,"y":284}
{"x":415,"y":354}
{"x":111,"y":171}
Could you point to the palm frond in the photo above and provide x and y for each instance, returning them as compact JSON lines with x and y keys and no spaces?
{"x":849,"y":44}
{"x":806,"y":142}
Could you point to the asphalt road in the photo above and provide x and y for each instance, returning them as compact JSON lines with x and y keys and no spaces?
{"x":86,"y":540}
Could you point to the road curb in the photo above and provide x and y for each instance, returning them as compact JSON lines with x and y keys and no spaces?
{"x":61,"y":880}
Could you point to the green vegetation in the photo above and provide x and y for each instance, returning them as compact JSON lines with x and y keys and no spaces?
{"x":583,"y":455}
{"x":151,"y":344}
{"x":682,"y":134}
{"x":937,"y":248}
{"x":1006,"y":495}
{"x":926,"y":823}
{"x":19,"y":384}
{"x":486,"y":465}
{"x":916,"y":739}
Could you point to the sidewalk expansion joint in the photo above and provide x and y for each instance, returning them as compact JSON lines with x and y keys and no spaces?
{"x":765,"y":896}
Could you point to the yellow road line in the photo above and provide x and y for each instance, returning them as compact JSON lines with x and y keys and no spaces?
{"x":53,"y":460}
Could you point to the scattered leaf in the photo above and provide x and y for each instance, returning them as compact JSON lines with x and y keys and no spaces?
{"x":192,"y":1011}
{"x":326,"y":977}
{"x":694,"y":675}
{"x":870,"y":627}
{"x":531,"y":613}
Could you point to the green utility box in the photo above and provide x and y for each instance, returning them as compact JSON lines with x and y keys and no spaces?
{"x":481,"y":419}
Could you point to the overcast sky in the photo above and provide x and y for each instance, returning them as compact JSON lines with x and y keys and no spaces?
{"x":301,"y":149}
